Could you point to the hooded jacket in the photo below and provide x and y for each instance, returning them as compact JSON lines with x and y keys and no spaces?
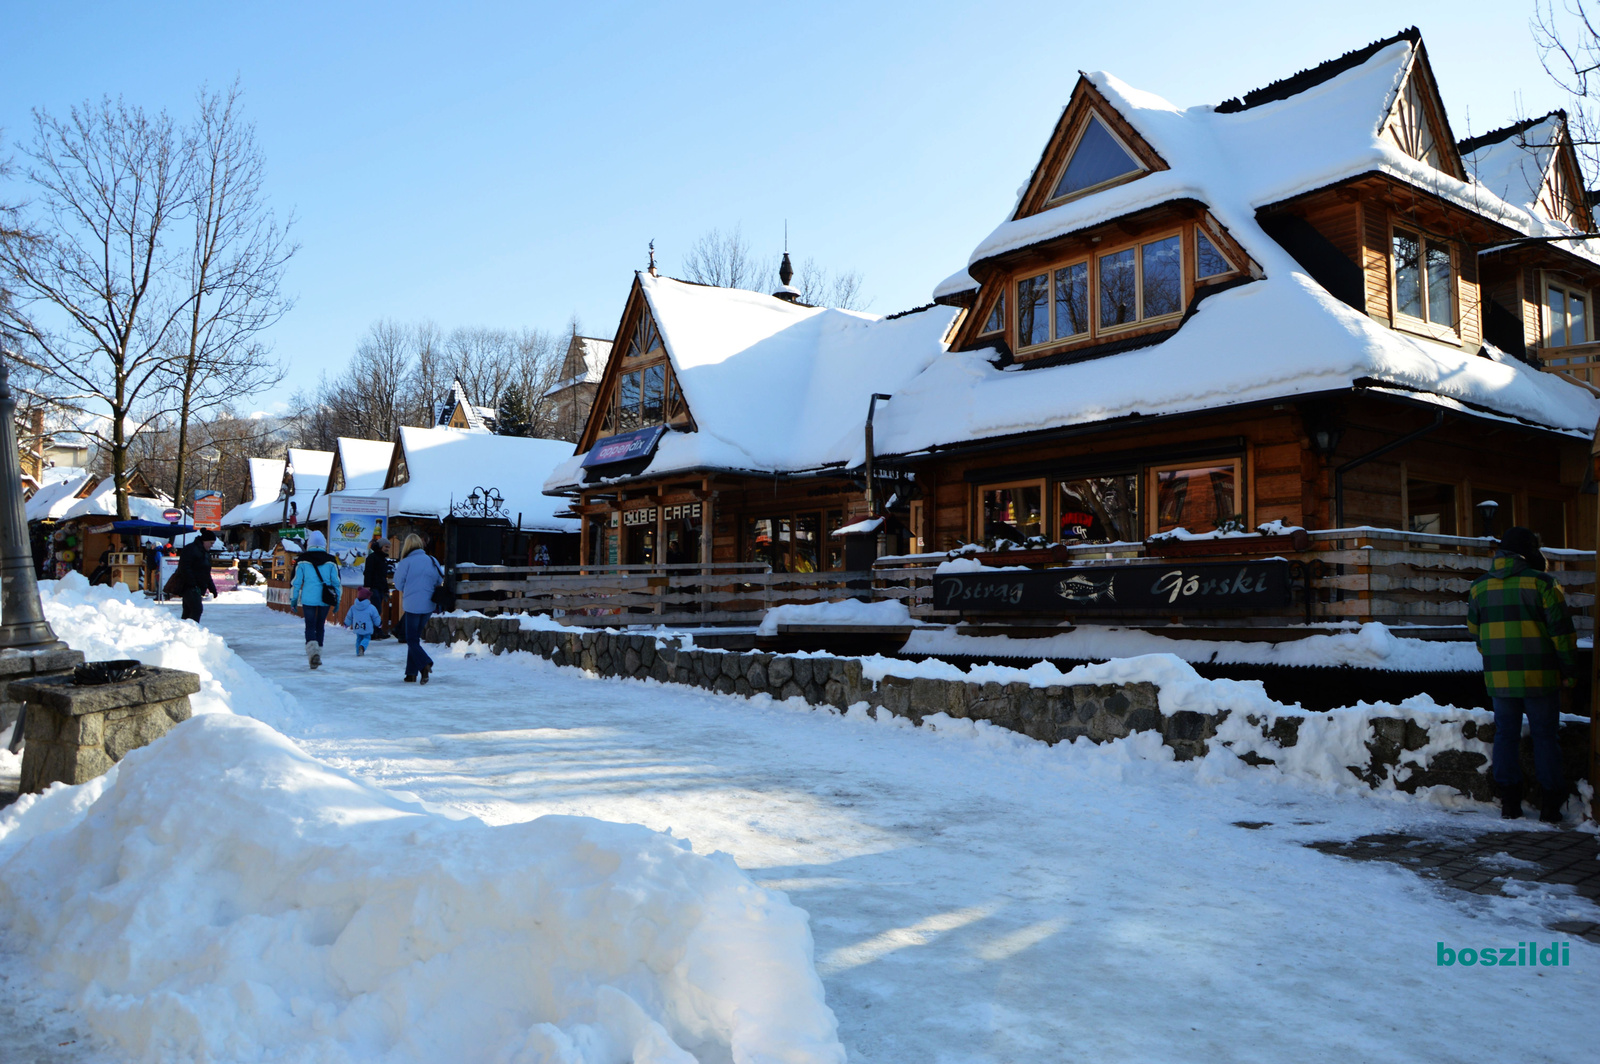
{"x":1519,"y":617}
{"x":316,"y":570}
{"x":362,"y":618}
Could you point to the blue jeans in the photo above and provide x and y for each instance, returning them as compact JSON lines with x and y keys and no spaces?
{"x":1544,"y":718}
{"x":417,"y":659}
{"x":362,"y":639}
{"x":316,"y":619}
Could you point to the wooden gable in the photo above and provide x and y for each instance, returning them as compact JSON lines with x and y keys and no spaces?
{"x":1088,"y":113}
{"x":1561,"y":195}
{"x":1416,"y":121}
{"x":637,"y":350}
{"x":398,"y":472}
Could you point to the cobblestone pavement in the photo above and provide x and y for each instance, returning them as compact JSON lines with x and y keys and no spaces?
{"x":1480,"y":863}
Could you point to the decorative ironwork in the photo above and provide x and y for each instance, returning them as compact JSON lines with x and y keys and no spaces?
{"x":24,"y":626}
{"x":483,"y":504}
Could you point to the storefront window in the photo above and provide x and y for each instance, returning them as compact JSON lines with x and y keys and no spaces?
{"x":1098,"y":509}
{"x":639,"y":528}
{"x":1013,"y":513}
{"x":681,"y":527}
{"x":760,"y":542}
{"x":835,"y":544}
{"x":807,"y":557}
{"x":1196,"y":498}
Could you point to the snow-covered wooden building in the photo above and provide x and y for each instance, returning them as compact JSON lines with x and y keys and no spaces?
{"x":1308,"y":304}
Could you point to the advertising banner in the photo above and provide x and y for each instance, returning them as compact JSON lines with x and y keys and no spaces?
{"x":207,"y":509}
{"x":353,"y":521}
{"x":1173,"y":587}
{"x":624,"y":446}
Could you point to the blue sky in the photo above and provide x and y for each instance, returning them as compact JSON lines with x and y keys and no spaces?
{"x":506,"y":164}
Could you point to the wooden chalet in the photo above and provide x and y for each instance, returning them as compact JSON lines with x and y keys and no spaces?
{"x":728,"y":428}
{"x":1309,"y":307}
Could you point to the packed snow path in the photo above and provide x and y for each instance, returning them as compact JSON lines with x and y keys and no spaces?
{"x":978,"y":900}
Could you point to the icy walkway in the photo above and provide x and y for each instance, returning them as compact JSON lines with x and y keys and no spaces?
{"x":981,"y":900}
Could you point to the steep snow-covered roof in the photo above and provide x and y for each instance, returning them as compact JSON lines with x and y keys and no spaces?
{"x":444,"y":465}
{"x":1280,"y":337}
{"x":593,"y":352}
{"x":1512,"y":162}
{"x":774,"y":385}
{"x":263,"y":507}
{"x":52,"y":501}
{"x":365,"y":466}
{"x":308,"y":471}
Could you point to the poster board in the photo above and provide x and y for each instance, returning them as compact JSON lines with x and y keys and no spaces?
{"x":207,"y":509}
{"x":352,"y":523}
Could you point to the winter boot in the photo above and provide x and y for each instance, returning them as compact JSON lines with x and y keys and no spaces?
{"x":314,"y":654}
{"x":1550,"y":807}
{"x":1511,"y":801}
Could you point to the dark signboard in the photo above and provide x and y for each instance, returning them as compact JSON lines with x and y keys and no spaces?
{"x":624,"y":446}
{"x":1170,"y":587}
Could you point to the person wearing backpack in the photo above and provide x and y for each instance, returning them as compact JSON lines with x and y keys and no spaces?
{"x":416,"y":576}
{"x":314,"y":591}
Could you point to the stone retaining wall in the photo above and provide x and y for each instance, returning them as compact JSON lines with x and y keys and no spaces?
{"x":1051,"y":714}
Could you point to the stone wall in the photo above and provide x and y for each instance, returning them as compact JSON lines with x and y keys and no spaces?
{"x":1051,"y":714}
{"x":73,"y":734}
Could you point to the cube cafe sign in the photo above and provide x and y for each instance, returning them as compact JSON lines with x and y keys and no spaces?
{"x":647,"y":515}
{"x":1163,"y":588}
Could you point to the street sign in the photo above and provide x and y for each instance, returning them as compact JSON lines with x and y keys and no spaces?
{"x":208,"y":509}
{"x":172,"y":517}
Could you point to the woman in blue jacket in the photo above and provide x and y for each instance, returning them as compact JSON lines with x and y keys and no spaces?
{"x":416,"y":577}
{"x":315,"y":589}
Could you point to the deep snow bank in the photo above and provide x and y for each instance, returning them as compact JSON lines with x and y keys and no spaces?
{"x":223,"y":896}
{"x":111,"y":622}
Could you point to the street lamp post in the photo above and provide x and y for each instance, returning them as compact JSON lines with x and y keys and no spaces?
{"x":22,"y":623}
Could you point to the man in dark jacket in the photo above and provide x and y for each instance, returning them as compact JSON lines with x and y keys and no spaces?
{"x":375,"y":578}
{"x":194,"y":573}
{"x":1519,"y":617}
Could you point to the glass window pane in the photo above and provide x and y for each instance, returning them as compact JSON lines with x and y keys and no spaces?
{"x":1033,"y":310}
{"x":1014,"y":515}
{"x":1118,"y":287}
{"x":1072,"y":299}
{"x":1577,"y":316}
{"x":1407,"y":273}
{"x":1441,"y":307}
{"x":997,"y":316}
{"x":807,"y":542}
{"x":1163,"y":277}
{"x":1099,"y":509}
{"x":1432,"y":507}
{"x":1197,"y":499}
{"x":1558,"y":318}
{"x":1209,"y":262}
{"x":655,"y":394}
{"x":1097,"y":158}
{"x":758,"y":545}
{"x":628,"y":402}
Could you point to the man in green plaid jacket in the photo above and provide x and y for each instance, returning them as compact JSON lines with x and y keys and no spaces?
{"x":1519,"y":617}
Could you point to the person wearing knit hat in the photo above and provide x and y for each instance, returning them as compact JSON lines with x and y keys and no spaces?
{"x":1519,"y":617}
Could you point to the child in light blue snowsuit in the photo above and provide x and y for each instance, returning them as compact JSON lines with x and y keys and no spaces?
{"x":363,"y":620}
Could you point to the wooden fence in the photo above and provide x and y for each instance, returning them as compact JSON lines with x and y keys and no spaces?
{"x":682,"y":594}
{"x":1357,"y":574}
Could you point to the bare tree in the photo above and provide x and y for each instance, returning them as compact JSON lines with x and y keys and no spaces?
{"x":724,"y":260}
{"x":91,"y":272}
{"x":1569,"y":49}
{"x":822,"y":287}
{"x":234,"y":273}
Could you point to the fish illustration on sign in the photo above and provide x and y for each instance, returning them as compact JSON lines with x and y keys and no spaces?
{"x":1085,"y":589}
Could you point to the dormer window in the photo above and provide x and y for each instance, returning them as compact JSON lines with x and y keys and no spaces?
{"x":1424,"y":282}
{"x":1099,"y":158}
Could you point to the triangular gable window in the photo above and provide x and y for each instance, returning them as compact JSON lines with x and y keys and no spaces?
{"x":1098,"y":158}
{"x":645,"y":338}
{"x":996,"y":321}
{"x":1209,"y":261}
{"x":1412,"y":126}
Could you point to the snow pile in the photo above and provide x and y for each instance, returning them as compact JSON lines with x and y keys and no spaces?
{"x":889,"y":612}
{"x":112,"y":622}
{"x":221,"y":895}
{"x":1372,"y":646}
